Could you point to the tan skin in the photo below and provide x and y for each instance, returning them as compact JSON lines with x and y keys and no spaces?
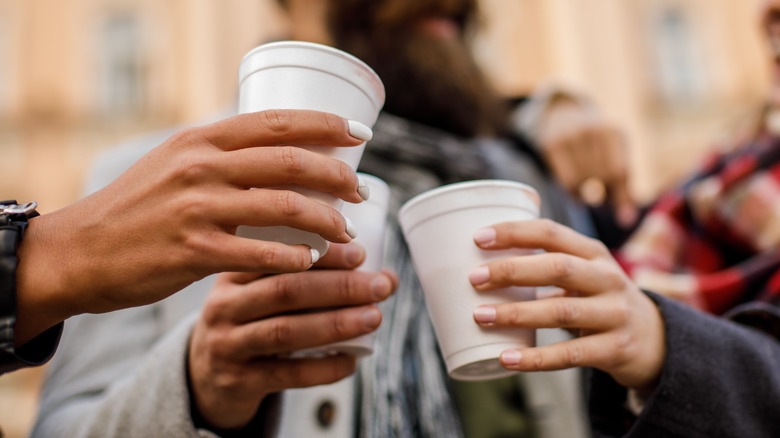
{"x":250,"y":323}
{"x":581,"y":147}
{"x":621,"y":330}
{"x":171,"y":218}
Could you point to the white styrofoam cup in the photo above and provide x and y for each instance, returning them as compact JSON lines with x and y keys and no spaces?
{"x":438,"y":226}
{"x":308,"y":76}
{"x":370,"y":219}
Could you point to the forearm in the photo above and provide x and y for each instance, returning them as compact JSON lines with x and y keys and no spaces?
{"x":719,"y":379}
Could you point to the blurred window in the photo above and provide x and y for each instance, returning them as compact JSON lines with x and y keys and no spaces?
{"x":121,"y":66}
{"x":677,"y":58}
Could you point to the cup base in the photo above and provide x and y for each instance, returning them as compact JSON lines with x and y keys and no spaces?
{"x":479,"y":363}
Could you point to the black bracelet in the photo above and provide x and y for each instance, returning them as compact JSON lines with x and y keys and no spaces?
{"x":13,"y":223}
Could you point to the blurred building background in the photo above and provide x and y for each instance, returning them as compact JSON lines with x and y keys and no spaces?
{"x":77,"y":76}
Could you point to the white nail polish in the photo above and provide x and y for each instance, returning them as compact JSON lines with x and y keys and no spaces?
{"x":359,"y":130}
{"x":351,"y":230}
{"x":363,"y":190}
{"x":315,"y":255}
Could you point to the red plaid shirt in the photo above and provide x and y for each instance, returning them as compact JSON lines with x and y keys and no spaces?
{"x":714,"y":242}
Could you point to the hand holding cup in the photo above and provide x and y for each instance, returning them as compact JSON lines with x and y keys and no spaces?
{"x":621,"y":330}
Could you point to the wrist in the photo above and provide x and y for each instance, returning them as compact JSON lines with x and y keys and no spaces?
{"x":42,"y":285}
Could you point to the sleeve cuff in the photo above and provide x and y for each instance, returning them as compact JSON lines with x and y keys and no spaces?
{"x":34,"y":353}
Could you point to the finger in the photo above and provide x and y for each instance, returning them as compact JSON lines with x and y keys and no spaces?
{"x":284,"y":334}
{"x":306,"y":291}
{"x":289,"y":165}
{"x":236,"y":278}
{"x":284,"y":127}
{"x":226,"y":252}
{"x":392,"y":276}
{"x":588,"y":351}
{"x":342,"y":256}
{"x":276,"y":374}
{"x":273,"y":207}
{"x":539,"y":234}
{"x":549,"y":269}
{"x":584,"y":313}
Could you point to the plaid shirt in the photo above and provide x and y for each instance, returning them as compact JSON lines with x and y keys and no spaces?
{"x":714,"y":242}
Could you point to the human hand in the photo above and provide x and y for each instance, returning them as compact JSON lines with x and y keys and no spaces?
{"x":239,"y":351}
{"x":621,"y":330}
{"x":171,"y":218}
{"x":582,"y":149}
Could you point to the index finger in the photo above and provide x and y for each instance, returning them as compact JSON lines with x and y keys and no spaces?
{"x":540,"y":234}
{"x":285,"y":127}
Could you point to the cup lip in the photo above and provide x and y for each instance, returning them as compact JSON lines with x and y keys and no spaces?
{"x":373,"y":83}
{"x":466,"y":185}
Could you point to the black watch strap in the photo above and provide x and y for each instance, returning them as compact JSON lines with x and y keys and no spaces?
{"x":13,"y":223}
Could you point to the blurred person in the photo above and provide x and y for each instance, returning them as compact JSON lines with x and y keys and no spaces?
{"x":167,"y":222}
{"x":442,"y":123}
{"x":713,"y":241}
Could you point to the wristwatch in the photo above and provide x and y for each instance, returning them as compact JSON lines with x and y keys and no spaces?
{"x":14,"y":218}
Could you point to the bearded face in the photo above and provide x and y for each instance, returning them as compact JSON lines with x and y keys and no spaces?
{"x":419,"y":48}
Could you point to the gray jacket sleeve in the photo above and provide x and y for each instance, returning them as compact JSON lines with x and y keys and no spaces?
{"x":721,"y":378}
{"x":127,"y":382}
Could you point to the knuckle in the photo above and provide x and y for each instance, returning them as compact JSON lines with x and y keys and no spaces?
{"x":561,"y":266}
{"x":217,"y":344}
{"x":280,"y":332}
{"x":512,"y":315}
{"x":269,"y":255}
{"x":186,"y":137}
{"x":287,"y":202}
{"x":332,"y":122}
{"x":538,"y":361}
{"x":350,"y":289}
{"x":215,"y":309}
{"x":339,"y":325}
{"x":280,"y":376}
{"x":573,"y":355}
{"x":506,"y":270}
{"x":292,"y":159}
{"x":284,"y":290}
{"x":192,"y":169}
{"x":600,"y":247}
{"x":277,"y":122}
{"x":346,"y":173}
{"x":337,"y":221}
{"x":565,"y":312}
{"x":548,"y":229}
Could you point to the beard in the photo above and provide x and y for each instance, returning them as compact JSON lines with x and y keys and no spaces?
{"x":430,"y":80}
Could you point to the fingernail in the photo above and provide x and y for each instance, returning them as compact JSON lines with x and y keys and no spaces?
{"x":315,"y":255}
{"x":359,"y":130}
{"x":354,"y":254}
{"x":511,"y":357}
{"x":351,"y":230}
{"x":485,"y":315}
{"x":372,"y":317}
{"x":485,"y":237}
{"x":480,"y":275}
{"x":363,"y":190}
{"x":381,"y":287}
